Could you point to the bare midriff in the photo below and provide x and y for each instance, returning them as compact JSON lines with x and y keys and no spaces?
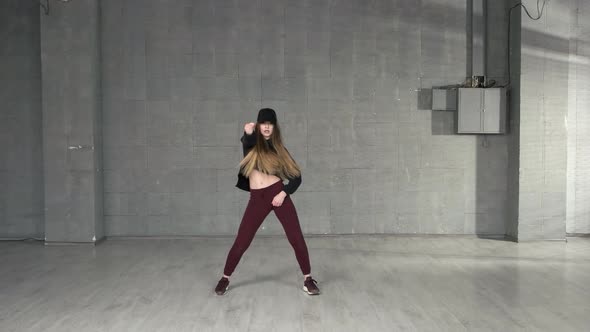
{"x":259,"y":180}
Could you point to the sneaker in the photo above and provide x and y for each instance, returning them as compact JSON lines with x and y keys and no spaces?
{"x":310,"y":286}
{"x":222,"y":286}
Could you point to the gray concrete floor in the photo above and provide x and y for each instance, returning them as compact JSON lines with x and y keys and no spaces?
{"x":376,"y":283}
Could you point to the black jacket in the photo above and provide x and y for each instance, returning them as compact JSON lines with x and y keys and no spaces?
{"x":248,"y":142}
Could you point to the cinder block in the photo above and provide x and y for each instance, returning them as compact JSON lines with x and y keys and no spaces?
{"x":187,"y":180}
{"x":157,"y":204}
{"x":205,"y":88}
{"x":170,"y":157}
{"x":250,"y":64}
{"x":404,"y":223}
{"x":315,"y":224}
{"x":123,"y":204}
{"x":158,"y":88}
{"x":155,"y":226}
{"x":217,"y":157}
{"x":226,"y":65}
{"x":181,"y":88}
{"x":124,"y":157}
{"x":312,"y":204}
{"x":341,"y":203}
{"x":342,"y":224}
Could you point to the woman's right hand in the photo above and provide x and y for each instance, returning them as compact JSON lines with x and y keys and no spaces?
{"x":249,"y":128}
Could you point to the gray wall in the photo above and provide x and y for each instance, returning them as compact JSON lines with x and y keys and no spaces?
{"x":72,"y":128}
{"x":21,"y":163}
{"x":578,"y":122}
{"x":350,"y":82}
{"x":180,"y":80}
{"x":548,"y":163}
{"x":514,"y":123}
{"x":543,"y":115}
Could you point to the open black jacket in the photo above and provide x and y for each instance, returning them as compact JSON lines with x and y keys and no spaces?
{"x":248,"y":142}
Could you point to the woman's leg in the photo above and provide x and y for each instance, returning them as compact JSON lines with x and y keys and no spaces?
{"x":288,"y":217}
{"x":255,"y":213}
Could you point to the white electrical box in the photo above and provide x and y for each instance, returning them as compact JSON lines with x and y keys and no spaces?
{"x":444,"y":99}
{"x":481,"y":111}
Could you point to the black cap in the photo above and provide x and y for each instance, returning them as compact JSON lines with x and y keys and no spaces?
{"x":267,"y":114}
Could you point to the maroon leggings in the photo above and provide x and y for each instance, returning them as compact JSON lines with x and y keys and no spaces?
{"x":258,"y":208}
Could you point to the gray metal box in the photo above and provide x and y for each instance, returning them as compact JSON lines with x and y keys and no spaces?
{"x":481,"y":111}
{"x":444,"y":99}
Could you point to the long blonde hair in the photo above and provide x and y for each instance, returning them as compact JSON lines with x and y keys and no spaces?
{"x":273,"y":159}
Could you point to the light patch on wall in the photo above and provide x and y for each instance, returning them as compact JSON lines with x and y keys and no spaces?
{"x":79,"y":147}
{"x":555,"y":56}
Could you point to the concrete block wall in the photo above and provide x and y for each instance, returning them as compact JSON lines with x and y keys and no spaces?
{"x":513,"y":134}
{"x":545,"y":47}
{"x":578,"y":122}
{"x":21,"y":163}
{"x":181,"y":77}
{"x":72,"y":128}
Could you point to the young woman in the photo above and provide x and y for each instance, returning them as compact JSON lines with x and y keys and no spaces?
{"x":265,"y":165}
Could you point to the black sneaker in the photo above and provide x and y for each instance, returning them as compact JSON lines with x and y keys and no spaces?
{"x":310,"y":286}
{"x":222,"y":286}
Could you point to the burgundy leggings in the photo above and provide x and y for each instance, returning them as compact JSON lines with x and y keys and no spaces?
{"x":258,"y":208}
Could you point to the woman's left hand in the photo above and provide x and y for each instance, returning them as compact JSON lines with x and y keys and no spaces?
{"x":279,"y":198}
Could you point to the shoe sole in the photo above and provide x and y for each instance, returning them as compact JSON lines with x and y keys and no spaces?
{"x":308,"y":292}
{"x":225,"y":291}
